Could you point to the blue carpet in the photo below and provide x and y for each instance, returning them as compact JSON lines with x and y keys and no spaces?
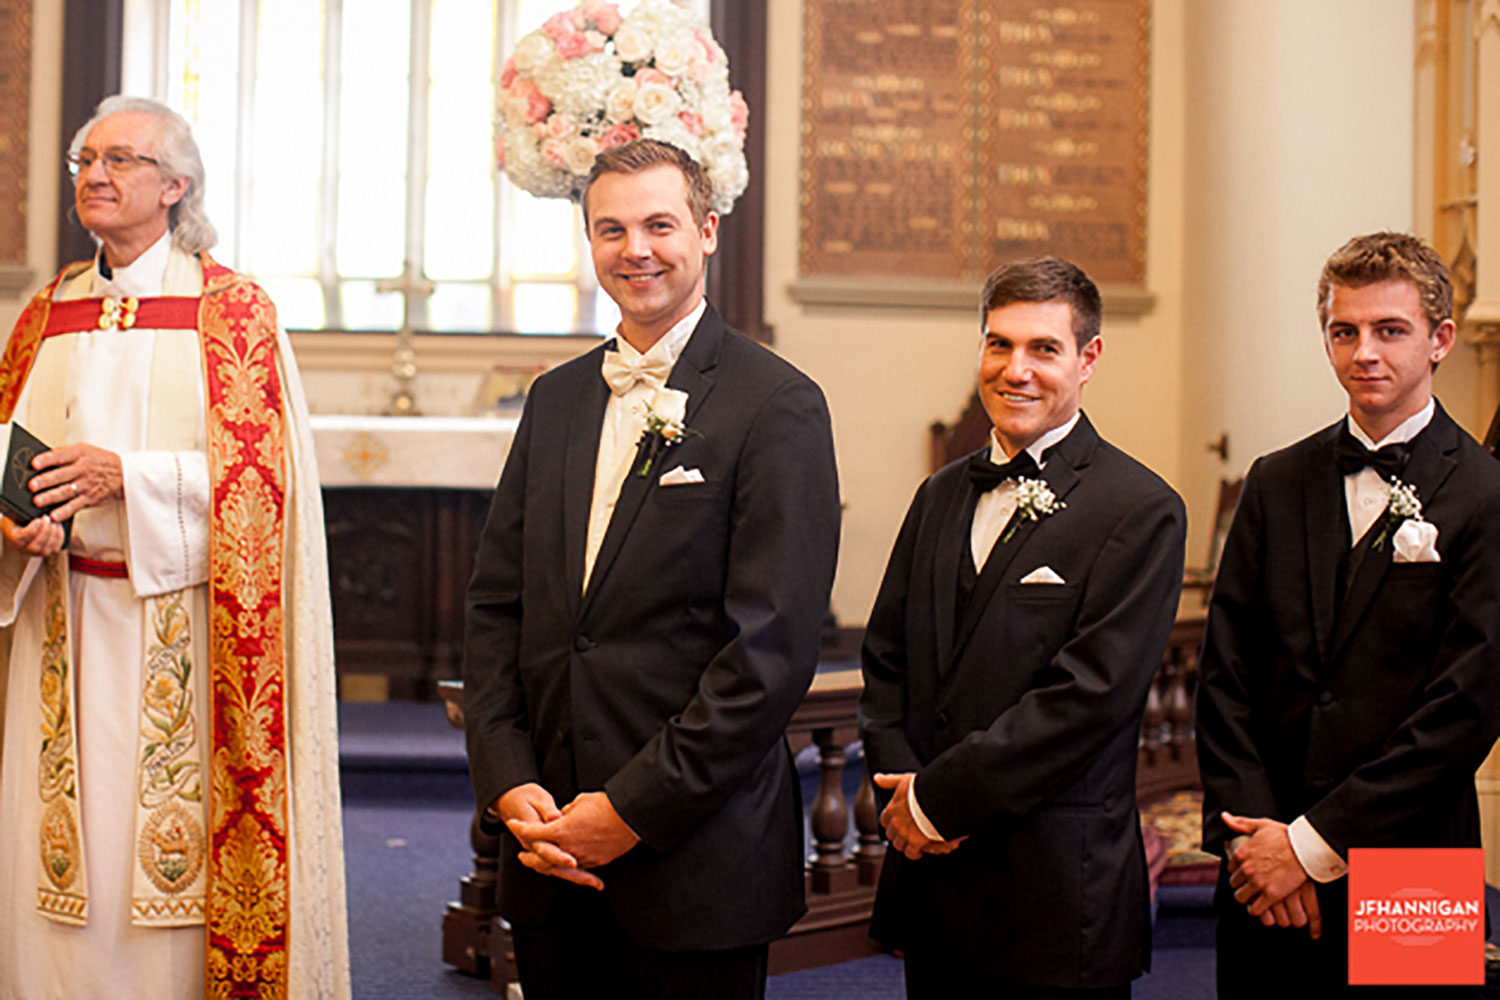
{"x":406,"y":818}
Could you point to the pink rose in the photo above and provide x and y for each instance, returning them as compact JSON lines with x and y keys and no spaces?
{"x":692,"y":122}
{"x":739,"y":113}
{"x":500,"y":152}
{"x":618,"y":135}
{"x":558,"y":24}
{"x":711,"y":50}
{"x":553,"y":153}
{"x":508,"y":75}
{"x":606,"y":16}
{"x":698,"y":69}
{"x":573,"y":45}
{"x":537,"y":105}
{"x":596,"y":40}
{"x":646,"y":76}
{"x":559,"y":126}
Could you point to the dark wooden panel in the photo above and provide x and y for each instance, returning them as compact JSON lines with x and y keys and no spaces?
{"x":399,"y":561}
{"x":91,"y":72}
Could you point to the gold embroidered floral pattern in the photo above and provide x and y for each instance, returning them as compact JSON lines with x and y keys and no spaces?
{"x":169,"y":767}
{"x":253,"y":531}
{"x":249,"y":903}
{"x":20,"y":350}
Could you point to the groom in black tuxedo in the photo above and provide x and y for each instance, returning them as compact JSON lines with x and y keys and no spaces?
{"x":644,"y":619}
{"x":1350,"y":678}
{"x":1006,"y":663}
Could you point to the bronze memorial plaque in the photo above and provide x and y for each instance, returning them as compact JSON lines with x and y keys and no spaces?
{"x":940,"y":137}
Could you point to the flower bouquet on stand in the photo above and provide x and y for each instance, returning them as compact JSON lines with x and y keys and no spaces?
{"x":590,"y":79}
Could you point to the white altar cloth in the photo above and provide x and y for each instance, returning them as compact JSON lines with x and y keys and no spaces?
{"x":452,"y":452}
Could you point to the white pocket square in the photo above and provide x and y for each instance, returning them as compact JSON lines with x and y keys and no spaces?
{"x":680,"y":477}
{"x":1042,"y":574}
{"x":1415,"y":542}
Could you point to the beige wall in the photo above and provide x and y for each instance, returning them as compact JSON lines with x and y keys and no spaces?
{"x":46,"y":162}
{"x":1276,"y":133}
{"x":1297,"y":137}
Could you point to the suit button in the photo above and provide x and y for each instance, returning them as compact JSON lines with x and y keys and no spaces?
{"x":943,"y":720}
{"x":582,"y":644}
{"x":1325,"y":698}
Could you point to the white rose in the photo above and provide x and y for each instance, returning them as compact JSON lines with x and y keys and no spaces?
{"x":655,"y":103}
{"x":670,"y":405}
{"x":579,"y":155}
{"x":675,"y":52}
{"x":620,"y":106}
{"x":632,"y":45}
{"x":533,"y":52}
{"x":715,"y":116}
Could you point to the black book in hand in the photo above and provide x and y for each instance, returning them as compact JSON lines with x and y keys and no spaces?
{"x":16,"y":502}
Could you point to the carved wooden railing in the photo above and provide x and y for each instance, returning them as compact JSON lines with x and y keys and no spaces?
{"x":841,"y":877}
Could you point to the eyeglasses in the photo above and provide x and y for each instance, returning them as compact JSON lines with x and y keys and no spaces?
{"x":116,"y":161}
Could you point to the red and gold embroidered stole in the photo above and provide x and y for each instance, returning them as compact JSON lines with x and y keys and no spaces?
{"x":249,"y":891}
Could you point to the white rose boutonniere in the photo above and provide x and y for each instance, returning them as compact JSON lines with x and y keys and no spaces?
{"x":1034,"y":501}
{"x":665,"y":425}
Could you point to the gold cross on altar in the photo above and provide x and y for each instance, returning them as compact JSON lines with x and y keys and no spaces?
{"x":413,"y":287}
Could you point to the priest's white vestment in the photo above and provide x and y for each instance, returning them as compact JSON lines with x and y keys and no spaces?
{"x":140,"y":393}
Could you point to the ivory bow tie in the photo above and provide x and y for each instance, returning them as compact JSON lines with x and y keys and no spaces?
{"x":622,"y":375}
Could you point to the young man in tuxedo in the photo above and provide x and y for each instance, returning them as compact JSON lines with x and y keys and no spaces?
{"x":644,"y":619}
{"x":1022,"y":616}
{"x":1350,"y":679}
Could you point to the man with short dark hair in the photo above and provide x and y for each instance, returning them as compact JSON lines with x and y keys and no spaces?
{"x":169,"y":800}
{"x":644,"y":619}
{"x":1006,"y":662}
{"x":1350,"y":679}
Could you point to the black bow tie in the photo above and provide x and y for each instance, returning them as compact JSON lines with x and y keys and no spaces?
{"x":1352,"y":456}
{"x":986,"y":475}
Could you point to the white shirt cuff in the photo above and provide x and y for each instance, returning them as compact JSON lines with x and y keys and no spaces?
{"x":923,"y":823}
{"x":1321,"y":862}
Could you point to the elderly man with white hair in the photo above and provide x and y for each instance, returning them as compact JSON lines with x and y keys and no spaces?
{"x":169,"y":799}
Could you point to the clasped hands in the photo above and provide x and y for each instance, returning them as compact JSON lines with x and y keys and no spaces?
{"x":1267,"y":877}
{"x":901,"y":826}
{"x":564,"y":843}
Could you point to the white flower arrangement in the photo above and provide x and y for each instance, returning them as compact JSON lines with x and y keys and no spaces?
{"x":589,"y":79}
{"x":1034,"y":501}
{"x":1401,"y":505}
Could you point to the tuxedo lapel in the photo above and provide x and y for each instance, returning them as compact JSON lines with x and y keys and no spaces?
{"x":1430,"y":464}
{"x":585,"y":421}
{"x":1061,"y":474}
{"x":1327,"y":538}
{"x":691,"y":374}
{"x":956,"y":523}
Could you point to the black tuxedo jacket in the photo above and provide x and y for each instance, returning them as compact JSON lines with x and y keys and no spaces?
{"x":1368,"y":711}
{"x":669,"y":682}
{"x":1022,"y":718}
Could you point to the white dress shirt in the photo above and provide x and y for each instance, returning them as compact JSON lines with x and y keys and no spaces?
{"x":624,"y":421}
{"x":1366,"y":494}
{"x":992,"y":512}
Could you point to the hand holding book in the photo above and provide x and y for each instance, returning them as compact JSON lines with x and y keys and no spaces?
{"x":30,"y":528}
